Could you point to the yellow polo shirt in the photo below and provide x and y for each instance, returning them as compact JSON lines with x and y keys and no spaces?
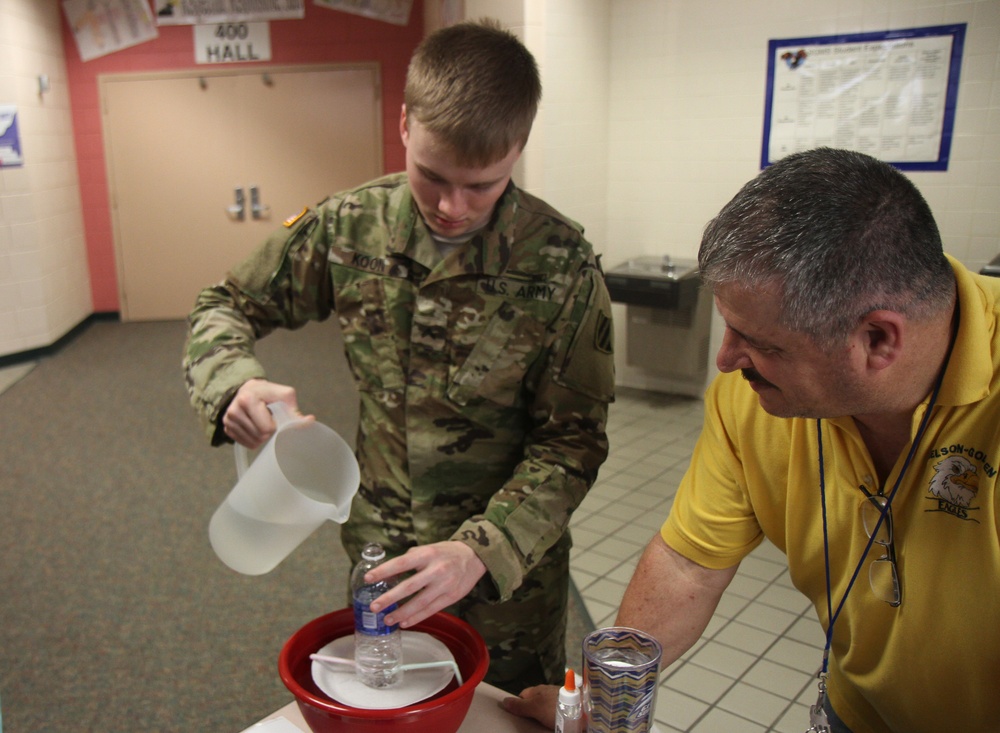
{"x":932,"y":664}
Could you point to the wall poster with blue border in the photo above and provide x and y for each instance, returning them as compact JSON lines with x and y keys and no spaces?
{"x":890,"y":94}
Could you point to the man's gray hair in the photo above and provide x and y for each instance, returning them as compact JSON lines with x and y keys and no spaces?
{"x":840,"y":234}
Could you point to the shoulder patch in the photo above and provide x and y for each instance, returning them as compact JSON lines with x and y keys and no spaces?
{"x":588,"y":364}
{"x":603,"y":337}
{"x":290,"y":221}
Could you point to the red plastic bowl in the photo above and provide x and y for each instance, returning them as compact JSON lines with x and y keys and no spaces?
{"x":441,"y":713}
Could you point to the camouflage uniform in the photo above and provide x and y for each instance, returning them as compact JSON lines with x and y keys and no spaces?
{"x":484,"y":379}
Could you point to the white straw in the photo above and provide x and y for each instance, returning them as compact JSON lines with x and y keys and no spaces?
{"x":332,"y":660}
{"x":428,"y":665}
{"x":416,"y":665}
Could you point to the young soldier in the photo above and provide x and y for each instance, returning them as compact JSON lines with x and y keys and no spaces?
{"x":477,"y":326}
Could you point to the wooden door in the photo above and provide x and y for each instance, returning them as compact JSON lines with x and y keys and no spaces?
{"x":180,"y":145}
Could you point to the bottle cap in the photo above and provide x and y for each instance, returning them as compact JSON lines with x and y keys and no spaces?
{"x":568,"y":693}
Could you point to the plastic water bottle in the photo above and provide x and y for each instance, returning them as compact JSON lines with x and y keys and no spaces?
{"x":378,"y":648}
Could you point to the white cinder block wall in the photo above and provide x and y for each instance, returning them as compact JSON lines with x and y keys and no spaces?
{"x":687,"y":100}
{"x":44,"y":278}
{"x":566,"y":159}
{"x":652,"y":116}
{"x":572,"y":133}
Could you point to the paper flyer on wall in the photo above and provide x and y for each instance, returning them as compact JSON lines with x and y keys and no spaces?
{"x":396,"y":12}
{"x":10,"y":138}
{"x":196,"y":12}
{"x":890,"y":94}
{"x":101,"y":27}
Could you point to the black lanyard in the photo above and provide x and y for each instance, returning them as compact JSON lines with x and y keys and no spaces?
{"x":899,"y":479}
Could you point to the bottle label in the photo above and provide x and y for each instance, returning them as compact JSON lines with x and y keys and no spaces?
{"x":373,"y":624}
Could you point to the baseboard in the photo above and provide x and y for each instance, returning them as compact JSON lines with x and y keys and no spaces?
{"x":53,"y":348}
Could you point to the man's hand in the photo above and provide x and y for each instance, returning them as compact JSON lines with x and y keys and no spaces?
{"x":247,"y":419}
{"x":535,"y":702}
{"x":445,"y":573}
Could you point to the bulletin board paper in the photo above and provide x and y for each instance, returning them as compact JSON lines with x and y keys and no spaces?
{"x":195,"y":12}
{"x":396,"y":12}
{"x":889,"y":94}
{"x":101,"y":27}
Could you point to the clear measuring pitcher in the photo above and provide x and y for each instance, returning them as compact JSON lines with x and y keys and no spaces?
{"x":304,"y":475}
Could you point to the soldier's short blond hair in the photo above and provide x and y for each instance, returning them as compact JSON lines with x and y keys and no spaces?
{"x":476,"y":87}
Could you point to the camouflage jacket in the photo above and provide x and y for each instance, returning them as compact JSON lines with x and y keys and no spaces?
{"x":484,"y":376}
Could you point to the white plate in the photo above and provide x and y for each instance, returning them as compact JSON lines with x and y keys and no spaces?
{"x":343,"y":685}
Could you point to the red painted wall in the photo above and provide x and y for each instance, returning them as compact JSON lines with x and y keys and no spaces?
{"x":323,"y":36}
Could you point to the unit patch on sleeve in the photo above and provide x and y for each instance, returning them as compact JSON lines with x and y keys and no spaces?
{"x":603,"y":333}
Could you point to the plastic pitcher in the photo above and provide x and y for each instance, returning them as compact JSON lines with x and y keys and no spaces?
{"x":304,"y":475}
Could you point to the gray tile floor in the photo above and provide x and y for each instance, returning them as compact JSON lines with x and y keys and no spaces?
{"x":753,"y":670}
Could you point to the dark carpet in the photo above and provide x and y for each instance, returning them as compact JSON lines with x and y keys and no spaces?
{"x":116,"y":615}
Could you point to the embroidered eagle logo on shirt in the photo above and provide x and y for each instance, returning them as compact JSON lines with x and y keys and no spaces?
{"x":954,"y":487}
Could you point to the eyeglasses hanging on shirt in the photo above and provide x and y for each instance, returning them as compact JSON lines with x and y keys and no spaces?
{"x":876,"y":516}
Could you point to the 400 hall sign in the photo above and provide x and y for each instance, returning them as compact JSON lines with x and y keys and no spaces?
{"x":195,"y":12}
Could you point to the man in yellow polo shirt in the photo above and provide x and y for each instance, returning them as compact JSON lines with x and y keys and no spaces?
{"x":856,"y":425}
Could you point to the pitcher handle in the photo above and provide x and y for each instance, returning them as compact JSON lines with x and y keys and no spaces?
{"x":282,"y":416}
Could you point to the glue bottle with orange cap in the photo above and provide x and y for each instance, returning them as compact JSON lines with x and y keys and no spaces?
{"x":569,"y":713}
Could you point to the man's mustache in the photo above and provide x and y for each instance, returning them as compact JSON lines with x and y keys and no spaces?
{"x":752,"y":375}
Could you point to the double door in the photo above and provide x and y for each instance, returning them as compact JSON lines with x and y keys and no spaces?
{"x":202,"y":167}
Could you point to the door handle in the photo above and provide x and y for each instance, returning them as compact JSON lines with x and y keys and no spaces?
{"x":238,"y":210}
{"x":258,"y":210}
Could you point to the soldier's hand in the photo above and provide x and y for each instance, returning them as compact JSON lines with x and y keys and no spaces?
{"x":445,"y":572}
{"x":247,"y":419}
{"x":537,"y":702}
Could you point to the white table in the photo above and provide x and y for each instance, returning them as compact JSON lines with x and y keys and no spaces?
{"x":485,"y":714}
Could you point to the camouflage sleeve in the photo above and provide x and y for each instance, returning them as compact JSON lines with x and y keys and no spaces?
{"x":566,"y":446}
{"x":283,"y":284}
